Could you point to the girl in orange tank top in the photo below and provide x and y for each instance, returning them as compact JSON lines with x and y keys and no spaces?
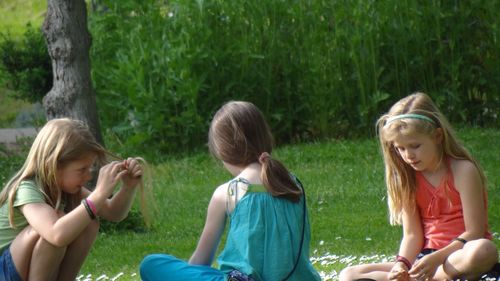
{"x":441,"y":212}
{"x":437,"y":192}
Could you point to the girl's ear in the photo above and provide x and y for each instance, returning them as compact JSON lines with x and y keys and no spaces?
{"x":439,"y":135}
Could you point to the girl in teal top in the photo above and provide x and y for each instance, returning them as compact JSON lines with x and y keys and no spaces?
{"x":269,"y":235}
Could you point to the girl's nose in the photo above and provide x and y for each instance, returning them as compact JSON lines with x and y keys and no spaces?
{"x":409,"y":154}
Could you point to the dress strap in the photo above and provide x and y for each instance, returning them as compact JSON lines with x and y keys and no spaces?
{"x":232,"y":190}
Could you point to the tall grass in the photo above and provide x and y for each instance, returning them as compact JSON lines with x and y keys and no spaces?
{"x":318,"y":69}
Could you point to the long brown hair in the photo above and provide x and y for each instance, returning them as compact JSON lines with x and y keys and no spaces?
{"x":399,"y":176}
{"x":238,"y":135}
{"x":58,"y":143}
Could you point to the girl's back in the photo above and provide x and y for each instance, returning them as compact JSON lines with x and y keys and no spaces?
{"x":265,"y":236}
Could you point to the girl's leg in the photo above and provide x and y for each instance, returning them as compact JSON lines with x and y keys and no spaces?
{"x":35,"y":258}
{"x":160,"y":267}
{"x":77,"y":251}
{"x":376,"y":271}
{"x":474,"y":259}
{"x":45,"y":261}
{"x":21,"y":250}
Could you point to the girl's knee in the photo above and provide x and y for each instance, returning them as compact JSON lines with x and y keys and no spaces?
{"x":89,"y":234}
{"x":86,"y":239}
{"x":27,"y":237}
{"x":148,"y":262}
{"x":146,"y":266}
{"x":43,"y":247}
{"x":25,"y":243}
{"x":347,"y":274}
{"x":151,"y":264}
{"x":482,"y":250}
{"x":93,"y":228}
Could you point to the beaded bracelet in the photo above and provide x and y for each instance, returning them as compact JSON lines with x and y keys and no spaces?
{"x":404,"y":260}
{"x":89,"y":211}
{"x":460,"y":240}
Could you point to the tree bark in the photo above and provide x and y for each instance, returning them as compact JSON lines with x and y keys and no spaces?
{"x":68,"y":42}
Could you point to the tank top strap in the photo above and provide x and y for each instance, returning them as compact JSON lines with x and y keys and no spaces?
{"x":233,"y":192}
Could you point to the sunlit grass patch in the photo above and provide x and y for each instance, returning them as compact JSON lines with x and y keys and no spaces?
{"x":16,"y":14}
{"x":120,"y":276}
{"x":340,"y":261}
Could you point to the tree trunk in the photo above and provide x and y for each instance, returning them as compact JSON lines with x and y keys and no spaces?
{"x":68,"y":42}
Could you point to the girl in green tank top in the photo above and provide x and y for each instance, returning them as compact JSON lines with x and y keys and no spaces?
{"x":48,"y":218}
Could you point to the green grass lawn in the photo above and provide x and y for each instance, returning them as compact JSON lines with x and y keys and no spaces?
{"x":16,"y":14}
{"x":345,"y":194}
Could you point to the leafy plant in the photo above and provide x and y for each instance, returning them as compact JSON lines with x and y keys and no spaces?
{"x":26,"y":64}
{"x":317,"y":69}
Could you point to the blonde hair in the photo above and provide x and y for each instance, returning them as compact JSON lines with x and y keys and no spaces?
{"x":239,"y":135}
{"x":58,"y":143}
{"x":399,"y":176}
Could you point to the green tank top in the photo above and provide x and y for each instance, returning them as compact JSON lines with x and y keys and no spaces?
{"x":264,"y":238}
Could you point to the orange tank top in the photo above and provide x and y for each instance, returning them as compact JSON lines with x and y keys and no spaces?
{"x":441,"y":211}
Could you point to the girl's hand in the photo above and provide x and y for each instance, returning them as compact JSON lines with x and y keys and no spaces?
{"x":399,"y":272}
{"x":133,"y":172}
{"x":108,"y":177}
{"x":425,"y":268}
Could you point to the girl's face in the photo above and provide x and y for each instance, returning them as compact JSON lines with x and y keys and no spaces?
{"x":75,"y":174}
{"x":422,"y":152}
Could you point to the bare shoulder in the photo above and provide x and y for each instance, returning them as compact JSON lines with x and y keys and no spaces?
{"x":462,"y":167}
{"x":465,"y":174}
{"x":220,"y":193}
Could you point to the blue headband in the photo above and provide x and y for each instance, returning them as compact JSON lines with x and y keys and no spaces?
{"x":411,"y":116}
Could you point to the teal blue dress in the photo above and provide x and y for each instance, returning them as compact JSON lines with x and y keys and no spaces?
{"x":263,"y":241}
{"x":264,"y":238}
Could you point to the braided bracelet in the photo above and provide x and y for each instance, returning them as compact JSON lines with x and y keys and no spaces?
{"x":460,"y":240}
{"x":404,"y":260}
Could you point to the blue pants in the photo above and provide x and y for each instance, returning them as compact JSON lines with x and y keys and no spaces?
{"x":159,"y":267}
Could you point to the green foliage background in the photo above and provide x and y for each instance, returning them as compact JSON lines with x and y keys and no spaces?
{"x":317,"y":69}
{"x":26,"y":64}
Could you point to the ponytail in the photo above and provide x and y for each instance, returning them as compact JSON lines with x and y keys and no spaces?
{"x":277,"y":180}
